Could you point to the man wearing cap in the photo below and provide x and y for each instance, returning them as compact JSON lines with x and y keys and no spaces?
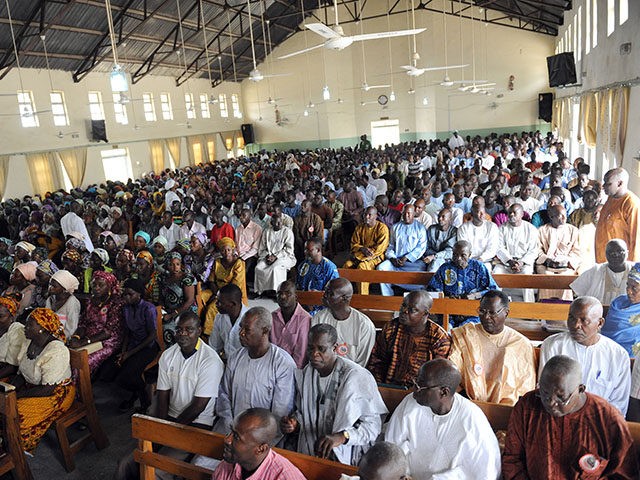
{"x":72,"y":222}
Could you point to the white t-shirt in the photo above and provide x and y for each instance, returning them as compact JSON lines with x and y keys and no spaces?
{"x":196,"y":376}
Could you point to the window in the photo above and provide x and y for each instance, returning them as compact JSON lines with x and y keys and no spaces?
{"x":570,"y":38}
{"x":611,"y":16}
{"x":624,"y":11}
{"x":576,"y":40}
{"x":27,"y":110}
{"x":149,"y":108}
{"x":95,"y":106}
{"x":58,"y":109}
{"x":188,"y":103}
{"x":165,"y":106}
{"x":120,"y":109}
{"x":235,"y":104}
{"x":587,"y":29}
{"x":579,"y":34}
{"x":116,"y":164}
{"x":594,"y":30}
{"x":204,"y":106}
{"x":222,"y":101}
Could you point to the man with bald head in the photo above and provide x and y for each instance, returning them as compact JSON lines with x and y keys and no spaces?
{"x":406,"y":248}
{"x":619,"y":215}
{"x":247,"y":451}
{"x":369,"y":242}
{"x":383,"y":461}
{"x":605,"y":365}
{"x":608,"y":280}
{"x":561,"y":431}
{"x":356,"y":332}
{"x":407,"y":342}
{"x":559,"y":252}
{"x":443,"y":434}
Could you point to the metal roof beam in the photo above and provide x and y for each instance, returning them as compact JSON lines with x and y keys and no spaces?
{"x":6,"y":61}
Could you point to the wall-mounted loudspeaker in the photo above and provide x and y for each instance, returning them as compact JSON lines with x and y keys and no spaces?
{"x":562,"y":69}
{"x":98,"y":131}
{"x":545,"y":106}
{"x":247,"y":133}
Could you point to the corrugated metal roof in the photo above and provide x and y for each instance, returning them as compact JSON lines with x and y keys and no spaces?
{"x":148,"y":32}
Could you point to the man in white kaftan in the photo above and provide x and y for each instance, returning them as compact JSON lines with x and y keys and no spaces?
{"x":605,"y":364}
{"x":356,"y":332}
{"x":518,"y":249}
{"x":338,"y":409}
{"x":275,"y":256}
{"x":606,"y":281}
{"x":444,"y":435}
{"x":482,"y":234}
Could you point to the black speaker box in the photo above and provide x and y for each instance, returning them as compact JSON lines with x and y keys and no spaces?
{"x":545,"y":106}
{"x":562,"y":69}
{"x":98,"y":131}
{"x":247,"y":133}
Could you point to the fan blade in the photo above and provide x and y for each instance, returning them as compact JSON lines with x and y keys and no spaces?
{"x":379,"y":86}
{"x":395,"y":33}
{"x":408,"y":67}
{"x":433,"y":69}
{"x":481,"y":85}
{"x":299,"y":52}
{"x":322,"y":30}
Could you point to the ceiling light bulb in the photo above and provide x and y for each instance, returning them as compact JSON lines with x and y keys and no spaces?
{"x":425,"y":101}
{"x":306,"y":112}
{"x":340,"y":100}
{"x":326,"y":95}
{"x":411,"y":91}
{"x":392,"y":96}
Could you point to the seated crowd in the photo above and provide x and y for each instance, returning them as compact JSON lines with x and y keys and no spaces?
{"x":99,"y":267}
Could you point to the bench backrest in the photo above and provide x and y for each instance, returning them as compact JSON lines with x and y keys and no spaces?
{"x":148,"y":430}
{"x":504,"y":280}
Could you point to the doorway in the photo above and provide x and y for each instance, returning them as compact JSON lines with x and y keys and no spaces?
{"x":385,"y":131}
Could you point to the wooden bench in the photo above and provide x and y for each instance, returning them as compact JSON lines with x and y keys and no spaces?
{"x":504,"y":280}
{"x":83,"y":409}
{"x":381,"y":309}
{"x":149,"y":430}
{"x":12,"y":458}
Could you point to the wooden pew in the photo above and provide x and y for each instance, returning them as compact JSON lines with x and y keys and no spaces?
{"x":380,"y":309}
{"x":149,"y":430}
{"x":12,"y":458}
{"x":504,"y":280}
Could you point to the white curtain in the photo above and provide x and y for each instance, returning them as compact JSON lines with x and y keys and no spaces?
{"x":74,"y":161}
{"x":173,"y":145}
{"x":156,"y":155}
{"x":43,"y":172}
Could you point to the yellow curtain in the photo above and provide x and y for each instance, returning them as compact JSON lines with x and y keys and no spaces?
{"x":74,"y":161}
{"x":210,"y":143}
{"x":590,"y":119}
{"x":239,"y":140}
{"x":604,"y":120}
{"x":194,"y":149}
{"x":43,"y":172}
{"x":619,"y":118}
{"x":4,"y":173}
{"x":227,"y":139}
{"x":173,"y":145}
{"x":156,"y":155}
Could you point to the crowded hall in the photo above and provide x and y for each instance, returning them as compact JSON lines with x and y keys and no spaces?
{"x":330,"y":240}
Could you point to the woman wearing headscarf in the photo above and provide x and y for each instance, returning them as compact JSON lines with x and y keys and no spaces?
{"x":43,"y":383}
{"x":226,"y":269}
{"x":22,"y":282}
{"x":623,"y":318}
{"x":159,"y":249}
{"x":158,"y":205}
{"x":62,"y":300}
{"x":71,"y":260}
{"x":120,"y":227}
{"x":6,"y":260}
{"x":11,"y":336}
{"x":141,"y":241}
{"x":199,"y":262}
{"x":102,"y":319}
{"x":109,"y":242}
{"x":77,"y":244}
{"x":148,"y":274}
{"x":22,"y":253}
{"x":125,"y":262}
{"x":44,"y":271}
{"x":99,"y":260}
{"x":178,"y":293}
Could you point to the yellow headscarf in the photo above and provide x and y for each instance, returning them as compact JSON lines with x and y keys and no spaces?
{"x":48,"y":319}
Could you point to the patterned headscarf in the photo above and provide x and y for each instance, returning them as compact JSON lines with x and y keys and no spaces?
{"x":28,"y":270}
{"x":144,"y":235}
{"x":48,"y":267}
{"x":102,"y":254}
{"x":146,"y":256}
{"x":11,"y":304}
{"x":201,"y":237}
{"x":172,"y":255}
{"x":75,"y":244}
{"x":48,"y":319}
{"x":184,"y":244}
{"x":110,"y":278}
{"x":26,"y":246}
{"x":67,"y":280}
{"x":6,"y":241}
{"x":225,"y":242}
{"x":72,"y":255}
{"x":162,"y":241}
{"x":127,"y":254}
{"x":634,"y":273}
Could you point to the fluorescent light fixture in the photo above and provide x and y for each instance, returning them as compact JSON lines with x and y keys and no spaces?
{"x":326,"y":94}
{"x":392,"y":96}
{"x":118,"y":79}
{"x":306,"y":112}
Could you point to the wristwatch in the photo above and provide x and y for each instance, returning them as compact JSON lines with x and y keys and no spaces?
{"x":346,"y":436}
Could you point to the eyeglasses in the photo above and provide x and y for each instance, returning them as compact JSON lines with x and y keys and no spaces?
{"x":418,"y":388}
{"x":482,"y":311}
{"x":557,"y":400}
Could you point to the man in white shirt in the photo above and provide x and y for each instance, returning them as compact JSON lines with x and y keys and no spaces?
{"x":225,"y":337}
{"x":461,"y":443}
{"x":275,"y":256}
{"x":170,"y":230}
{"x":482,"y":234}
{"x":529,"y":203}
{"x":456,"y":141}
{"x":421,"y":216}
{"x":73,"y":222}
{"x":170,"y":196}
{"x":605,"y":364}
{"x":190,"y":226}
{"x":356,"y":332}
{"x":518,"y":249}
{"x":606,"y":281}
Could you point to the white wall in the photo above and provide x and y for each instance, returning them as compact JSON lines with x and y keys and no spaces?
{"x":499,"y":52}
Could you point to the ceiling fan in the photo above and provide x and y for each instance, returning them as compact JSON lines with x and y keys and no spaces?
{"x":416,"y":72}
{"x":256,"y":75}
{"x":476,"y":88}
{"x":335,"y":39}
{"x":62,"y":134}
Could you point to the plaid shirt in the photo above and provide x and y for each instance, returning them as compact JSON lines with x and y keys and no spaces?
{"x":398,"y":355}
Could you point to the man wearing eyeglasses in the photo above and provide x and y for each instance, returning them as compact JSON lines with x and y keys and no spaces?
{"x":496,"y":362}
{"x":443,"y":434}
{"x":561,"y":431}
